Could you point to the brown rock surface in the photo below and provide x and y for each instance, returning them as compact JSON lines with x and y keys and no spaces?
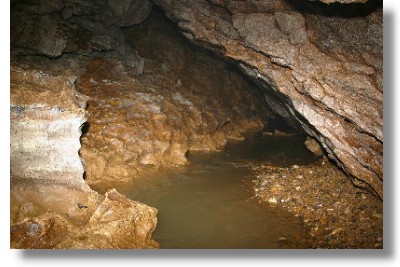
{"x":48,"y":215}
{"x":46,"y":115}
{"x":51,"y":204}
{"x":183,"y":100}
{"x":52,"y":28}
{"x":313,"y":146}
{"x":325,"y":71}
{"x":319,"y":66}
{"x":339,"y":214}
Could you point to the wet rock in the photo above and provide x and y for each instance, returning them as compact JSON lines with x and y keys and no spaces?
{"x":51,"y":205}
{"x":315,"y":68}
{"x":121,"y":223}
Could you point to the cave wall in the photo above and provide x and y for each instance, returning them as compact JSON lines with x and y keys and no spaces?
{"x":46,"y":114}
{"x":53,"y":28}
{"x":182,"y":99}
{"x":324,"y":69}
{"x":51,"y":205}
{"x":320,"y":65}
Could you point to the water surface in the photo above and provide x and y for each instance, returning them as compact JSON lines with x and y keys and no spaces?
{"x":210,"y":203}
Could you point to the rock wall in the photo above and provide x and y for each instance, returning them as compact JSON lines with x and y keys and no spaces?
{"x":183,"y":99}
{"x":46,"y":115}
{"x":51,"y":204}
{"x":52,"y":28}
{"x":318,"y":67}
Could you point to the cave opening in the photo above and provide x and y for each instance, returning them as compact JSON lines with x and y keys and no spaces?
{"x":186,"y":126}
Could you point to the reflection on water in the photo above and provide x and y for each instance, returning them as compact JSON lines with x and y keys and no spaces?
{"x":209,"y":203}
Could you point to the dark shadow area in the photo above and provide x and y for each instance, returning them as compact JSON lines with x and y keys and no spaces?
{"x":279,"y":124}
{"x":85,"y":128}
{"x":336,"y":9}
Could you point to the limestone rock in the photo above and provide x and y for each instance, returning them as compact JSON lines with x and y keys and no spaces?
{"x":38,"y":34}
{"x":318,"y":67}
{"x":51,"y":204}
{"x":53,"y":219}
{"x":46,"y":115}
{"x":184,"y":100}
{"x":119,"y":222}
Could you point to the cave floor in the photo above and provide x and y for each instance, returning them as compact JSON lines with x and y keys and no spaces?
{"x":264,"y":192}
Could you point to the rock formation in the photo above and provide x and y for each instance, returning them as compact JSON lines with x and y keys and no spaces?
{"x":184,"y":100}
{"x":53,"y":28}
{"x":54,"y":220}
{"x":317,"y":67}
{"x":47,"y":186}
{"x":316,"y":64}
{"x":46,"y":116}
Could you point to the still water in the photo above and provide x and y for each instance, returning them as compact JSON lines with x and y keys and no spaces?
{"x":210,"y":203}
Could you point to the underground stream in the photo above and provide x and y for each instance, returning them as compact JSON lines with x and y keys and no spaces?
{"x":209,"y":203}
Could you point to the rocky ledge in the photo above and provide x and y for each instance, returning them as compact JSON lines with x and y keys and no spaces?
{"x":48,"y":215}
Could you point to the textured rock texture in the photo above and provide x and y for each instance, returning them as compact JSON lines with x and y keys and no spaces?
{"x":48,"y":216}
{"x":55,"y":27}
{"x":47,"y":173}
{"x":339,"y":214}
{"x":46,"y":115}
{"x":317,"y":67}
{"x":183,"y":100}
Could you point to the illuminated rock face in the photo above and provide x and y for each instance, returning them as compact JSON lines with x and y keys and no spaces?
{"x":51,"y":204}
{"x":48,"y":216}
{"x":46,"y":115}
{"x":323,"y":71}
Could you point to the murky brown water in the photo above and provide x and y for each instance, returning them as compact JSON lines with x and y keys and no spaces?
{"x":209,"y":203}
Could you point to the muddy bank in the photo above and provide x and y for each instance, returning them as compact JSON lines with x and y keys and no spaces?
{"x":339,"y":214}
